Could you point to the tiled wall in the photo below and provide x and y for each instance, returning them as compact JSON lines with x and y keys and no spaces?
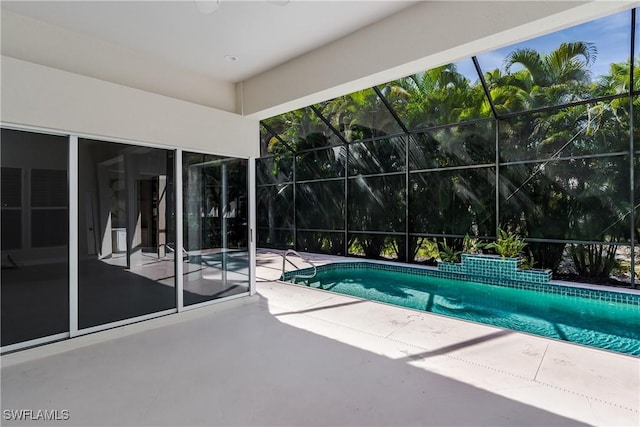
{"x":486,"y":269}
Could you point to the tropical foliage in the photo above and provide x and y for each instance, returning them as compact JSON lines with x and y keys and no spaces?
{"x":363,"y":185}
{"x":449,"y":254}
{"x":508,"y":244}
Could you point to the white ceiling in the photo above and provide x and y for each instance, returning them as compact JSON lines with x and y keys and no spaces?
{"x":289,"y":56}
{"x":261,"y":34}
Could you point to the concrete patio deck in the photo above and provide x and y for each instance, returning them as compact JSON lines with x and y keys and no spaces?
{"x":298,"y":356}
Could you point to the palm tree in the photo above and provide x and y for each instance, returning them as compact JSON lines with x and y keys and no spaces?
{"x":438,"y":96}
{"x":617,"y":80}
{"x":509,"y":92}
{"x":560,"y":66}
{"x":359,"y":115}
{"x":581,"y":199}
{"x":557,"y":77}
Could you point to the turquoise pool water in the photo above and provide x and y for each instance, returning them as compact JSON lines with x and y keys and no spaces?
{"x":598,"y":319}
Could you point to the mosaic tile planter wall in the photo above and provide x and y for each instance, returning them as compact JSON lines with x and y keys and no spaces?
{"x":489,"y":268}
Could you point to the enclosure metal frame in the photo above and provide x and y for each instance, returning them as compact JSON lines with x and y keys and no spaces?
{"x":497,"y":118}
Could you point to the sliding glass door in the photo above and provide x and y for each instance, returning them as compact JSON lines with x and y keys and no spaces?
{"x":215,"y":203}
{"x":35,"y":236}
{"x":118,"y":203}
{"x":126,"y":232}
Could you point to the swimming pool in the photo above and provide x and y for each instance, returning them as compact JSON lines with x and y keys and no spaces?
{"x":596,"y":318}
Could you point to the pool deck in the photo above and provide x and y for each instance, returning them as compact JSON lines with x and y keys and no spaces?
{"x":297,"y":356}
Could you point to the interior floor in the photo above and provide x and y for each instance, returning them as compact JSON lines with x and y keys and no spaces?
{"x":35,"y":299}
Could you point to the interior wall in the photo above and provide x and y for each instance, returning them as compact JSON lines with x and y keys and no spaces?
{"x":35,"y":95}
{"x":424,"y":36}
{"x":45,"y":153}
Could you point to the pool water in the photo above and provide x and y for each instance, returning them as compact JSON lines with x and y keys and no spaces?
{"x":593,"y":322}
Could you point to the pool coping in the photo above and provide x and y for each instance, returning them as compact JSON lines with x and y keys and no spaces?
{"x":458,"y":319}
{"x":632,"y":298}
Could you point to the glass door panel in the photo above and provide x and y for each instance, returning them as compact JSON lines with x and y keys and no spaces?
{"x":216,"y":255}
{"x":35,"y":239}
{"x":126,"y":232}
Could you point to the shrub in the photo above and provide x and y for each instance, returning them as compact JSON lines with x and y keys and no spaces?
{"x":508,"y":244}
{"x":471,"y":245}
{"x":594,"y":260}
{"x":449,"y":254}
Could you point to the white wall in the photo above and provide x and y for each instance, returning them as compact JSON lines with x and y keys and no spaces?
{"x":41,"y":43}
{"x":36,"y":95}
{"x":418,"y":38}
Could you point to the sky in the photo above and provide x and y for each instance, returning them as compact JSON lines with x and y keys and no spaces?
{"x":611,"y":36}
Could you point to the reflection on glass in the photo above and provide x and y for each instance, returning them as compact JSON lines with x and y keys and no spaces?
{"x":453,"y":202}
{"x":216,"y":257}
{"x":11,"y":197}
{"x":359,"y":115}
{"x":443,"y":95}
{"x":319,"y":164}
{"x":585,"y":199}
{"x":321,"y":242}
{"x":126,"y":232}
{"x":377,"y":203}
{"x":379,"y":156}
{"x":470,"y":144}
{"x":602,"y":127}
{"x":581,"y":62}
{"x":35,"y":236}
{"x":320,"y":205}
{"x":377,"y":246}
